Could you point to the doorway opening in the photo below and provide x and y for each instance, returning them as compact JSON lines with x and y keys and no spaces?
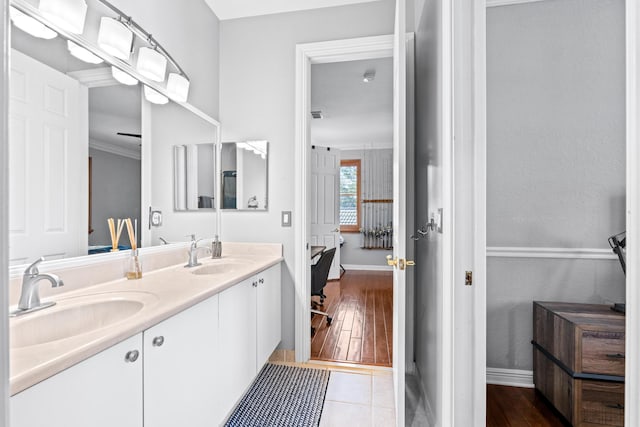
{"x":351,"y":195}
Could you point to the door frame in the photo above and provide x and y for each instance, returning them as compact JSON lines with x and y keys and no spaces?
{"x":306,"y":54}
{"x":632,"y":383}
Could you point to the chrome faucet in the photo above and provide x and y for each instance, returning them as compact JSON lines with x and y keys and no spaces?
{"x":193,"y":252}
{"x":30,"y":298}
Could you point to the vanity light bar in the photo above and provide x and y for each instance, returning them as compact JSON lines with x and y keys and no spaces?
{"x":115,"y":39}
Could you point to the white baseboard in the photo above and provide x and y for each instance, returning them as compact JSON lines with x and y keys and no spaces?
{"x":510,"y":377}
{"x":357,"y":267}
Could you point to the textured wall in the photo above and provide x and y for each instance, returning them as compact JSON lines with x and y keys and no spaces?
{"x":257,"y":98}
{"x":555,"y":160}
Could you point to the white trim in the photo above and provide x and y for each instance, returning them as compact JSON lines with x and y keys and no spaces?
{"x":4,"y":215}
{"x":510,"y":377}
{"x":479,"y":131}
{"x":306,"y":54}
{"x":495,"y":3}
{"x":632,"y":383}
{"x":94,"y":77}
{"x":360,"y":267}
{"x":557,"y":253}
{"x":115,"y":149}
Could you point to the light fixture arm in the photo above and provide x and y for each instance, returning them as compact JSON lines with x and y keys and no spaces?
{"x":141,"y":33}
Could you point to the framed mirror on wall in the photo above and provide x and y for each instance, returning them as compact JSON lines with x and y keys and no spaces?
{"x":244,"y":172}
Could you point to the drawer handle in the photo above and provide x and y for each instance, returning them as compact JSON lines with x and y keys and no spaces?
{"x":131,"y":356}
{"x":616,"y":356}
{"x":616,"y":406}
{"x":158,"y":341}
{"x":261,"y":281}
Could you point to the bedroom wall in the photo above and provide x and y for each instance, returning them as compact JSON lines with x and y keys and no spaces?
{"x":555,"y":162}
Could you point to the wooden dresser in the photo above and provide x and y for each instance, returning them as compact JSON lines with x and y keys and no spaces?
{"x":578,"y":361}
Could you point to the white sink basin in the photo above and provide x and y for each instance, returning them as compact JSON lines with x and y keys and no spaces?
{"x":224,"y":267}
{"x":76,"y":316}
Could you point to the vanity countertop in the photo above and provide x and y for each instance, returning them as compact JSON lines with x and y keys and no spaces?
{"x":162,"y":293}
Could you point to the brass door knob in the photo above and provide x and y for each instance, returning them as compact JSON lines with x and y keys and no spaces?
{"x":392,"y":261}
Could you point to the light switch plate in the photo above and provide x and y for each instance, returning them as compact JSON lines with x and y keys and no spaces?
{"x":286,"y":218}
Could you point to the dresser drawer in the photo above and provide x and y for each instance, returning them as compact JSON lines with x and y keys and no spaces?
{"x":603,"y":352}
{"x":602,"y":403}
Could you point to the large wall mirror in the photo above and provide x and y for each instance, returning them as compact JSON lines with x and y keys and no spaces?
{"x":85,"y":148}
{"x":244,"y":171}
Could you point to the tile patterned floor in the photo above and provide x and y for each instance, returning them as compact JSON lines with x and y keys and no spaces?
{"x":359,"y":399}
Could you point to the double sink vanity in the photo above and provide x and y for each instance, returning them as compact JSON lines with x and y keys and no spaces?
{"x":177,"y":347}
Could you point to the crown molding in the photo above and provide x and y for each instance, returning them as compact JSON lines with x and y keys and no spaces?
{"x":115,"y":149}
{"x":495,"y":3}
{"x":94,"y":77}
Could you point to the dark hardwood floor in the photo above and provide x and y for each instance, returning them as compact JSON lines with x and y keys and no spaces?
{"x":361,"y":304}
{"x":519,"y":407}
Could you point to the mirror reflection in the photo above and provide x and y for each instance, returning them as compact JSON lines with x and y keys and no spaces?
{"x":244,"y":175}
{"x":194,"y":176}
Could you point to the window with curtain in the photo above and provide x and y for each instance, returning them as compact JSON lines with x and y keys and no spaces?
{"x":350,"y":195}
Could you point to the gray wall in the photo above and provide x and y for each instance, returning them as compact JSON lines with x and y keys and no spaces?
{"x":428,"y":198}
{"x":257,"y":98}
{"x":114,"y":195}
{"x":189,"y":31}
{"x":555,"y":160}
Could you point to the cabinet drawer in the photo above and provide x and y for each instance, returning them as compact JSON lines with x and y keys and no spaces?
{"x":602,"y":403}
{"x":603,"y":352}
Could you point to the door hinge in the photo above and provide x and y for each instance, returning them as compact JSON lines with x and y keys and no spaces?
{"x":468,"y":278}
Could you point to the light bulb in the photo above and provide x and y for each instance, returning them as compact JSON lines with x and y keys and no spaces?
{"x":154,"y":96}
{"x":31,"y":26}
{"x":123,"y":77}
{"x":151,"y":64}
{"x":66,"y":14}
{"x":178,"y":87}
{"x":82,"y":53}
{"x":115,"y":38}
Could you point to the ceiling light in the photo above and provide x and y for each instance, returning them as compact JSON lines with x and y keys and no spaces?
{"x":154,"y":96}
{"x":122,"y":77}
{"x":369,"y":76}
{"x":66,"y":14}
{"x":30,"y":25}
{"x":178,"y":87}
{"x":82,"y":53}
{"x":115,"y":38}
{"x":151,"y":64}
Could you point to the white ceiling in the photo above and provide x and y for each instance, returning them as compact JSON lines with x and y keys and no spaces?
{"x":114,"y":109}
{"x":356,"y":114}
{"x":231,"y":9}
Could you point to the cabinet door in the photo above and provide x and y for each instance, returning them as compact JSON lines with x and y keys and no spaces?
{"x":180,"y":365}
{"x":237,"y":342}
{"x":269,"y":314}
{"x":102,"y":391}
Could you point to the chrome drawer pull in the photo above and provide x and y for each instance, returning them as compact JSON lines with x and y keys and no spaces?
{"x":616,"y":356}
{"x":616,"y":406}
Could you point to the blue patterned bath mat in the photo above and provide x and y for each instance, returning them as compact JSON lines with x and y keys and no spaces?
{"x":282,"y":396}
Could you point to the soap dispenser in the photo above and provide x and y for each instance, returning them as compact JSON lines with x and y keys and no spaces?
{"x":216,"y":248}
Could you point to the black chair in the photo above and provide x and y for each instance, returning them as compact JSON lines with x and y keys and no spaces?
{"x":319,"y":275}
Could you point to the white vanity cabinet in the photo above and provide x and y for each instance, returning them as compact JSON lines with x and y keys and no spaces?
{"x":181,"y":368}
{"x":102,"y":391}
{"x":250,"y":329}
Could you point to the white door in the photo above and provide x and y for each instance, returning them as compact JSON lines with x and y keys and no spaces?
{"x":48,"y":151}
{"x":399,"y":208}
{"x":325,"y":202}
